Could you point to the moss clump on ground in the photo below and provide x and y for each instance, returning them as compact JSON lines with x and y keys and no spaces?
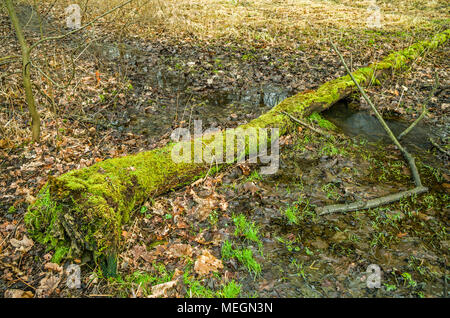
{"x":322,"y":122}
{"x":84,"y":210}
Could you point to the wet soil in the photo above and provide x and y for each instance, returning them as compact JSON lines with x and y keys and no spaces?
{"x":328,"y":256}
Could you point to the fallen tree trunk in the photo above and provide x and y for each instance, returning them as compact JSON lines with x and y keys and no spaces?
{"x":84,"y":210}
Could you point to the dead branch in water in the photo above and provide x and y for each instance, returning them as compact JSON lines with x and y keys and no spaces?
{"x":438,"y":147}
{"x":361,"y":205}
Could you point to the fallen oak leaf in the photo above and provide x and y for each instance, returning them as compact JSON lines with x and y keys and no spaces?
{"x":207,"y":263}
{"x":179,"y":250}
{"x":53,"y":267}
{"x":23,"y":245}
{"x":48,"y":285}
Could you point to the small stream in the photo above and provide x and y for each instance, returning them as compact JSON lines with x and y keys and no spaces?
{"x":355,"y":123}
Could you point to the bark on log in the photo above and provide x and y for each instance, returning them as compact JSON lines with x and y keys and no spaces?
{"x":83,"y":210}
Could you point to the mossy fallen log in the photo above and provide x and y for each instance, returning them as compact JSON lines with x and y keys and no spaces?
{"x":84,"y":210}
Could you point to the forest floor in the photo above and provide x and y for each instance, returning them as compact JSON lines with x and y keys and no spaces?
{"x":259,"y":234}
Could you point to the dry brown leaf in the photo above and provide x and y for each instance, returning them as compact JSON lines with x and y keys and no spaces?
{"x":140,"y":251}
{"x":197,"y":182}
{"x":53,"y":267}
{"x":158,"y":208}
{"x":177,"y":273}
{"x":163,"y":290}
{"x":207,"y":205}
{"x":48,"y":285}
{"x":207,"y":263}
{"x":3,"y":143}
{"x":245,"y":169}
{"x":250,"y":187}
{"x":23,"y":245}
{"x":179,"y":250}
{"x":18,"y":293}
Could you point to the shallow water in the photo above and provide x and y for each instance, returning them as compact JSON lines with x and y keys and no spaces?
{"x":361,"y":123}
{"x":223,"y":108}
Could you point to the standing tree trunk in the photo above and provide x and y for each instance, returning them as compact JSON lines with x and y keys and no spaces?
{"x":26,"y":74}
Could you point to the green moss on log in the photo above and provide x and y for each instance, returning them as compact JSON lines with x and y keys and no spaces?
{"x":84,"y":210}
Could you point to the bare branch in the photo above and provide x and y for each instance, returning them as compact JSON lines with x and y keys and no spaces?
{"x":407,"y":156}
{"x":424,"y":112}
{"x":305,"y":124}
{"x":360,"y":205}
{"x":370,"y":204}
{"x":8,"y":59}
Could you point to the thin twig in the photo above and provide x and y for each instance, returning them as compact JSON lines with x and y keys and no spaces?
{"x":9,"y":59}
{"x":434,"y":143}
{"x":305,"y":124}
{"x":407,"y":130}
{"x":407,"y":156}
{"x":424,"y":112}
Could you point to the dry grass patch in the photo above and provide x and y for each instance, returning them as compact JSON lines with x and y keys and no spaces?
{"x":281,"y":23}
